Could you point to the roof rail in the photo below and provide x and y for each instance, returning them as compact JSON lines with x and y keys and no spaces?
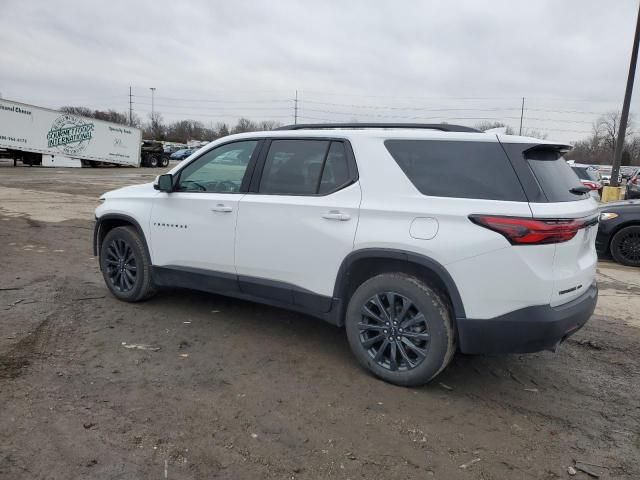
{"x":443,"y":127}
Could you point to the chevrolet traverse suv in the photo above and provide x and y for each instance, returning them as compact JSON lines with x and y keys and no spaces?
{"x":419,"y":239}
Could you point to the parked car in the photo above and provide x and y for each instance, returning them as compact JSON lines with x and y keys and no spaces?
{"x":589,"y":177}
{"x":420,"y":240}
{"x":619,"y":232}
{"x":605,"y":171}
{"x":181,"y":154}
{"x":633,"y":185}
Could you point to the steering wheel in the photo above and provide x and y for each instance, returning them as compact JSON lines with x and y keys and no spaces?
{"x":199,"y":185}
{"x":226,"y":186}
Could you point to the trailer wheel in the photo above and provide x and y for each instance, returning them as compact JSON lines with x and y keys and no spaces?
{"x":164,"y":162}
{"x":153,"y":161}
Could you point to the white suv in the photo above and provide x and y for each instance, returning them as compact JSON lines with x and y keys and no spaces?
{"x":419,"y":239}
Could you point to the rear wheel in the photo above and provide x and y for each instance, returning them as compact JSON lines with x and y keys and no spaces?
{"x":125,"y":265}
{"x":625,"y":246}
{"x":164,"y":162}
{"x":400,"y":329}
{"x":153,"y":161}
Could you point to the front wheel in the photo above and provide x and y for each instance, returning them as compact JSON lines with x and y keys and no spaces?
{"x":400,"y":329}
{"x":625,"y":246}
{"x":125,"y":265}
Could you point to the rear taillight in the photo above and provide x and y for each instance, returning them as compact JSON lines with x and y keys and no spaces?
{"x":591,"y":185}
{"x":532,"y":231}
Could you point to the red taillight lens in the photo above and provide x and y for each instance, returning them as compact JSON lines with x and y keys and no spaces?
{"x":531,"y":231}
{"x":591,"y":185}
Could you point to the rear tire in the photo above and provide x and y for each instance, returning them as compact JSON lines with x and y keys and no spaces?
{"x":153,"y":161}
{"x":400,"y":329}
{"x":625,"y":246}
{"x":126,"y":266}
{"x":164,"y":162}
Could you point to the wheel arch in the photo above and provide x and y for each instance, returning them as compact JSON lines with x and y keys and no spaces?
{"x":108,"y":222}
{"x":363,"y":264}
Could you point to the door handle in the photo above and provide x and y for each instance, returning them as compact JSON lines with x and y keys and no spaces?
{"x":222,"y":208}
{"x":336,"y":215}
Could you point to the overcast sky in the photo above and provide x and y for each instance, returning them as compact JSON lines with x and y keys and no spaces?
{"x":349,"y":60}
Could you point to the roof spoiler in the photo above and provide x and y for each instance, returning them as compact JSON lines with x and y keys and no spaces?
{"x":545,"y":147}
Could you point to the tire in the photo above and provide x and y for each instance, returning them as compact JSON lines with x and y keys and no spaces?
{"x":133,"y":281}
{"x":153,"y":161}
{"x":625,"y":246}
{"x":164,"y":161}
{"x":433,"y":333}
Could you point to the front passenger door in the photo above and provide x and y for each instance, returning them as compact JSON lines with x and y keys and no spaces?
{"x":194,"y":226}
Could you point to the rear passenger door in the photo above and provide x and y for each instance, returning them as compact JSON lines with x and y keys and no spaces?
{"x":298,"y":221}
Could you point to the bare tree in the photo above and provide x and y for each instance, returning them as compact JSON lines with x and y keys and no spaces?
{"x":606,"y":129}
{"x":487,"y":125}
{"x":244,"y":125}
{"x":268,"y":125}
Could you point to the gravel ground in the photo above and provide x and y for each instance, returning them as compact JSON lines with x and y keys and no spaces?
{"x":231,"y":389}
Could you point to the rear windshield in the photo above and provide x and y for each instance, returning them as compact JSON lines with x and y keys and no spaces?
{"x":457,"y":169}
{"x":582,"y":173}
{"x":555,"y":177}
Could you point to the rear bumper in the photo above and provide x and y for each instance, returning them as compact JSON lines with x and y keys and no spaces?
{"x":528,"y":330}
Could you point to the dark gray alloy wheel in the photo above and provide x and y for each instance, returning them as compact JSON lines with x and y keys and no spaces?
{"x":393,"y":331}
{"x":125,"y":265}
{"x":625,"y":246}
{"x":400,"y":329}
{"x":122,"y":270}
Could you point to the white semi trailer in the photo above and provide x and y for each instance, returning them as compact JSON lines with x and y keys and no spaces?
{"x":40,"y":136}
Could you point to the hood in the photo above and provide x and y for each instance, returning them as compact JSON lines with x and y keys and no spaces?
{"x":144,"y":190}
{"x":621,"y":205}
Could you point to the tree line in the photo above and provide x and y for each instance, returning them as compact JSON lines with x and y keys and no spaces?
{"x":596,"y":149}
{"x":179,"y":131}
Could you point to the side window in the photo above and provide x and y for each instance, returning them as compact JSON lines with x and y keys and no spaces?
{"x":219,"y":170}
{"x":457,"y":169}
{"x":336,"y":169}
{"x":304,"y":167}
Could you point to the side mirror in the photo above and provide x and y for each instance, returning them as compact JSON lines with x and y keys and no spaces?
{"x":164,"y":183}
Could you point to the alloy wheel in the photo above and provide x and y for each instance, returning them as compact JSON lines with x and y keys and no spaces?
{"x":393,"y":331}
{"x":121,"y":265}
{"x":629,"y":247}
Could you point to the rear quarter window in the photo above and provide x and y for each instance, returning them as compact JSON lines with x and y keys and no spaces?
{"x":554,"y":175}
{"x":457,"y":169}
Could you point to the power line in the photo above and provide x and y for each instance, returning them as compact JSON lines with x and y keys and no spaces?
{"x":214,"y":108}
{"x":208,"y":100}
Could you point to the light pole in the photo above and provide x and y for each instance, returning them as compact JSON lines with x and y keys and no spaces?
{"x":153,"y":91}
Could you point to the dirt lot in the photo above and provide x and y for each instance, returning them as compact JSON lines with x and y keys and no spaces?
{"x":237,"y":390}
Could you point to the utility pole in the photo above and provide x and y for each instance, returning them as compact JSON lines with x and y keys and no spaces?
{"x":617,"y":157}
{"x":521,"y":115}
{"x":295,"y":109}
{"x":130,"y":108}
